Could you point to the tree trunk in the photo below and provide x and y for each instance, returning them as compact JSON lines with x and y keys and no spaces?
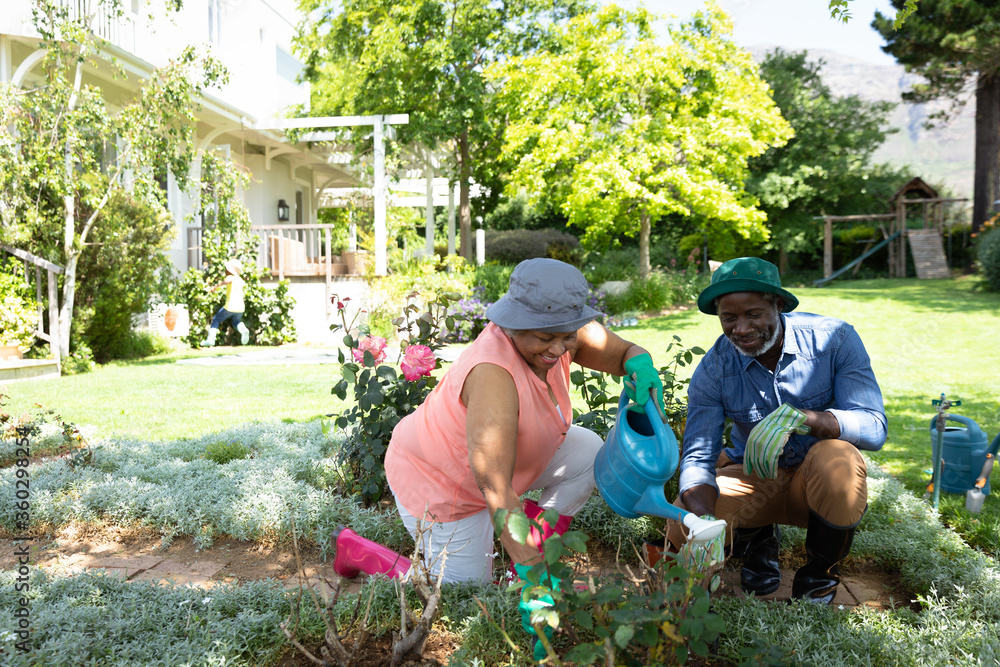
{"x":68,"y":296}
{"x":986,"y":189}
{"x":644,"y":244}
{"x":464,"y":212}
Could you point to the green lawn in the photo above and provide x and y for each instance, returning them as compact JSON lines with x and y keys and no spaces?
{"x":158,"y":399}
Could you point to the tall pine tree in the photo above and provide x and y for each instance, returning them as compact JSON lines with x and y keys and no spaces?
{"x":955,"y":46}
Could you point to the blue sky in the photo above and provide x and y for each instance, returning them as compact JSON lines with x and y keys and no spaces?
{"x":792,"y":24}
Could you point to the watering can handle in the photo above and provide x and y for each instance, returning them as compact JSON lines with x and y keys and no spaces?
{"x":652,"y":406}
{"x":965,"y":421}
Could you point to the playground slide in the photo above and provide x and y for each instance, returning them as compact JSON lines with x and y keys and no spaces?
{"x":857,"y":260}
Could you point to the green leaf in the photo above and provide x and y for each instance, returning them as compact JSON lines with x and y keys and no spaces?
{"x":575,"y":540}
{"x":518,"y":526}
{"x":623,"y":635}
{"x":547,"y":615}
{"x":584,"y":619}
{"x":387,"y":372}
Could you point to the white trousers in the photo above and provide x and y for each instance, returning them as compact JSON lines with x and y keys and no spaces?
{"x":464,"y":548}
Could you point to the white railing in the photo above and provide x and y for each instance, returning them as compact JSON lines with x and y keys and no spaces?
{"x":51,"y":334}
{"x":106,"y":24}
{"x":289,"y":250}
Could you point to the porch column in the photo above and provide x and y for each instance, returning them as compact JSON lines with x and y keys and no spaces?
{"x":379,"y":193}
{"x":451,"y":218}
{"x":429,"y":212}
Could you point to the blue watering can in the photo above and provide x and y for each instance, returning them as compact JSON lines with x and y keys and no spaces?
{"x":964,"y":455}
{"x":638,"y":457}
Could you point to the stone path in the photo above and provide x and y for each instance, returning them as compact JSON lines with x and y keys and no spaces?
{"x":136,"y":568}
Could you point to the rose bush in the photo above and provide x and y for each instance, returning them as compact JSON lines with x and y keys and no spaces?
{"x":383,"y":396}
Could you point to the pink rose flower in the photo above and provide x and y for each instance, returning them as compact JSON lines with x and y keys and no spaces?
{"x":373,"y":344}
{"x":418,"y":361}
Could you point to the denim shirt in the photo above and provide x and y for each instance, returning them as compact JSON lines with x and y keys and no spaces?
{"x":823,"y":367}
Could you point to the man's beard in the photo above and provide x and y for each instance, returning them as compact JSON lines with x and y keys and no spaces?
{"x":768,"y":344}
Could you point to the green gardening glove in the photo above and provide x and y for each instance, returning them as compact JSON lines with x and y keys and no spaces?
{"x":705,"y":557}
{"x":527,"y":605}
{"x":641,"y":378}
{"x":768,"y":439}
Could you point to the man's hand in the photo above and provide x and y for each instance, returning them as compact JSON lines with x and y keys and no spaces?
{"x":642,"y":377}
{"x":768,"y":439}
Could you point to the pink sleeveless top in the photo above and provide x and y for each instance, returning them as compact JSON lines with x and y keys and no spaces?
{"x":427,"y":463}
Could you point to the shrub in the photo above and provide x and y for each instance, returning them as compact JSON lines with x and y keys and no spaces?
{"x":494,"y":278}
{"x":224,"y":452}
{"x":425,"y":276}
{"x":118,"y":275}
{"x":516,"y":245}
{"x":649,"y":295}
{"x":81,"y":360}
{"x":383,"y":396}
{"x":268,"y":312}
{"x":140,"y":343}
{"x":472,"y":310}
{"x":17,"y":309}
{"x":988,"y":259}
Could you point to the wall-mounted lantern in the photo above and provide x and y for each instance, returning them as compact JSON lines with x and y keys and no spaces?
{"x":283,"y":210}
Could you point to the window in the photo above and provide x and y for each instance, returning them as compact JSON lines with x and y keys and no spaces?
{"x":287,"y":65}
{"x":215,"y":21}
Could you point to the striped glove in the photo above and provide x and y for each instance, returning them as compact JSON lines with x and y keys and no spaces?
{"x":768,"y":439}
{"x":705,"y":557}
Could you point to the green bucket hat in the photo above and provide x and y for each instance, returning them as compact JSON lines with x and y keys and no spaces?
{"x":744,"y":274}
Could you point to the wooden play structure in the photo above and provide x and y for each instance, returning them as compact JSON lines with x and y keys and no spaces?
{"x":925,"y":243}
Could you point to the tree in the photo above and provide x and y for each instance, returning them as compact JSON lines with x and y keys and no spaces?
{"x":955,"y":46}
{"x":68,"y":155}
{"x":825,"y":167}
{"x":620,"y":131}
{"x":426,"y":59}
{"x":840,"y":9}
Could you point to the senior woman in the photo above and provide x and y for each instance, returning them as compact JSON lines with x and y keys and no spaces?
{"x":499,"y":424}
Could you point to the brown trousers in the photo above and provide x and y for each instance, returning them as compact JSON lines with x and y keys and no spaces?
{"x":831,"y":481}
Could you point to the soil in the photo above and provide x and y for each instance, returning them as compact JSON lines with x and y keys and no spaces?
{"x":254,"y":561}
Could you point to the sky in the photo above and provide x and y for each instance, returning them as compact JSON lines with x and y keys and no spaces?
{"x":792,"y":24}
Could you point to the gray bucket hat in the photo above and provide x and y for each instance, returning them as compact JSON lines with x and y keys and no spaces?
{"x":545,"y":295}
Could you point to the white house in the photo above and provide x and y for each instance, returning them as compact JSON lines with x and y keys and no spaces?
{"x":290,"y":181}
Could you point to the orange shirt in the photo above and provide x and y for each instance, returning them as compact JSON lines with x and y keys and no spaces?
{"x":427,"y":463}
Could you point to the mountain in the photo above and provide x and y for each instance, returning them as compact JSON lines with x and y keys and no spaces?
{"x":941,"y":156}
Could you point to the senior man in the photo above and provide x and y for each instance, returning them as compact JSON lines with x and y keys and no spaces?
{"x":802,"y":398}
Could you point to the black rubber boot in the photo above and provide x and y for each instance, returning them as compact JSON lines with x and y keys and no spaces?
{"x":826,"y":546}
{"x":758,"y":547}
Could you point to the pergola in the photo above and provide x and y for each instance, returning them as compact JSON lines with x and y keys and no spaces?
{"x":382,"y":125}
